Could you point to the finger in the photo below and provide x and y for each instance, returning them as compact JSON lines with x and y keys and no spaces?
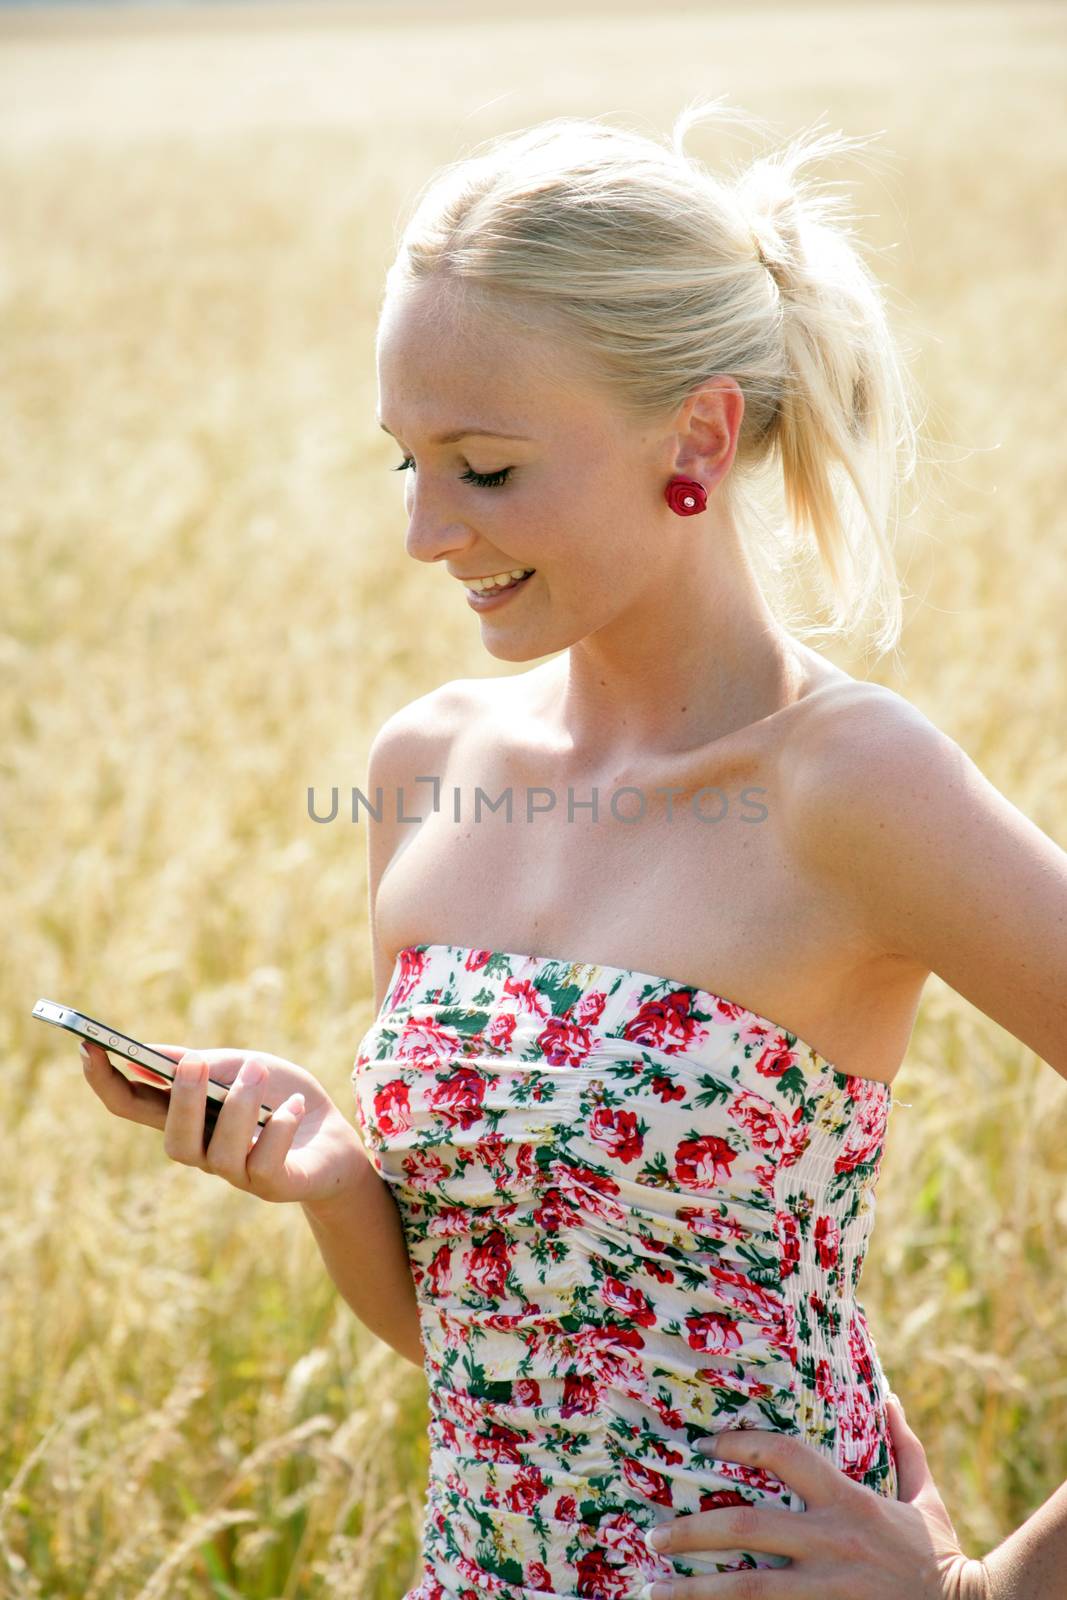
{"x":183,"y":1132}
{"x":771,"y":1458}
{"x":782,"y":1583}
{"x":228,"y":1150}
{"x":266,"y":1163}
{"x":223,"y":1065}
{"x":743,"y":1527}
{"x":913,"y":1469}
{"x":137,"y":1102}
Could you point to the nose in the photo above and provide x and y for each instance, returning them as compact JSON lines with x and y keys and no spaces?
{"x":432,"y":534}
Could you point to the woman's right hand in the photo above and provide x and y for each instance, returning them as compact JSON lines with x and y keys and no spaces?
{"x":308,"y":1156}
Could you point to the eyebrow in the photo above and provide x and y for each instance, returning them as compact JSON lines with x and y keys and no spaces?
{"x":461,"y":433}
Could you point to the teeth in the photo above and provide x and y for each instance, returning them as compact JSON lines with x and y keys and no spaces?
{"x":499,"y":580}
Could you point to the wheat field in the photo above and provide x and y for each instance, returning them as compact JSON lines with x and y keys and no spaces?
{"x":208,"y":609}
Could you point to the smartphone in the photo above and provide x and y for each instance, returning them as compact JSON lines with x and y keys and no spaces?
{"x":150,"y":1064}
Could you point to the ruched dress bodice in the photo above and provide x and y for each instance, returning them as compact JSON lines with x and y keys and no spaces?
{"x":637,"y":1214}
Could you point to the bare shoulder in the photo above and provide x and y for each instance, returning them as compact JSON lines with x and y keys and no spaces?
{"x":859,"y":748}
{"x":864,"y":767}
{"x":428,"y":723}
{"x":941,"y":869}
{"x":851,"y":723}
{"x":412,"y":744}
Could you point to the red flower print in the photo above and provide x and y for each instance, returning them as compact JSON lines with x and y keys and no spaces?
{"x":667,"y":1090}
{"x":589,"y":1009}
{"x":556,"y":1211}
{"x":647,"y":1482}
{"x":608,"y":1352}
{"x":670,"y":1416}
{"x":458,"y":1098}
{"x":713,"y":1330}
{"x":597,"y":1581}
{"x":625,"y":1538}
{"x":624,"y":1297}
{"x":529,"y":998}
{"x":487,"y":1582}
{"x":491,"y":1152}
{"x":499,"y":1029}
{"x":425,"y":1044}
{"x":777,"y":1057}
{"x":797,"y":1136}
{"x":859,"y":1436}
{"x":440,"y":1271}
{"x":761,"y":1304}
{"x":413,"y":964}
{"x":710,"y":1220}
{"x":657,"y":1270}
{"x":856,"y":1155}
{"x":590,"y":1191}
{"x":564,"y":1045}
{"x":527,"y":1392}
{"x":566,"y":1509}
{"x":538,"y":1576}
{"x":487,"y":1265}
{"x":827,"y":1240}
{"x":825,"y":1388}
{"x":859,"y":1351}
{"x":759,"y":1120}
{"x":476,"y":960}
{"x":617,"y":1131}
{"x":505,"y":1321}
{"x":716,"y":1499}
{"x":449,"y":1220}
{"x":526,"y":1491}
{"x":867,"y":1129}
{"x":424,"y":1168}
{"x":581,"y":1395}
{"x":702,"y":1163}
{"x":498,"y":1443}
{"x":525,"y":1163}
{"x":785,"y":1226}
{"x":392,"y":1110}
{"x":664,"y":1024}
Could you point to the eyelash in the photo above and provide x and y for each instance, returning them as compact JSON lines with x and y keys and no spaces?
{"x":484,"y":480}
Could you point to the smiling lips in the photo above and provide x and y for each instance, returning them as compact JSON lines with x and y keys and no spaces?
{"x":501,"y":580}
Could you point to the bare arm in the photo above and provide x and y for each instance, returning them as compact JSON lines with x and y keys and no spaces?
{"x":361,"y":1240}
{"x":959,"y":880}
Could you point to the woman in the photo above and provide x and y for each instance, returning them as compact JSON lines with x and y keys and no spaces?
{"x":619,"y":1213}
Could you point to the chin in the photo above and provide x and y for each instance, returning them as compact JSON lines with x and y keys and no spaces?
{"x":514,"y":650}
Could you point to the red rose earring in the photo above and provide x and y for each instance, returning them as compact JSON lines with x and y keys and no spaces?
{"x":686,"y":496}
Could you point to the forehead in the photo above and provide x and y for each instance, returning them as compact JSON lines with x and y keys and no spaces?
{"x":443,"y":363}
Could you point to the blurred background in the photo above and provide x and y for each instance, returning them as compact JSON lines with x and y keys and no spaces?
{"x":207,"y":609}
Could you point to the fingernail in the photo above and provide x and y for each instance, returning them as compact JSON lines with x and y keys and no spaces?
{"x":706,"y":1446}
{"x":87,"y":1059}
{"x":253,"y":1072}
{"x":656,"y":1538}
{"x":297,"y":1105}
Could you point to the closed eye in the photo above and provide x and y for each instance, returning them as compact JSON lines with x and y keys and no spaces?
{"x":484,"y":480}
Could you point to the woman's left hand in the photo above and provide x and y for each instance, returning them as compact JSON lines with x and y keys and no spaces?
{"x":848,"y":1544}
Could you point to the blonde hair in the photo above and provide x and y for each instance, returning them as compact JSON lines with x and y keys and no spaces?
{"x":662,"y":275}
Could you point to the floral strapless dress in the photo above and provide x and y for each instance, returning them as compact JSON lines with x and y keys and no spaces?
{"x":637,"y":1214}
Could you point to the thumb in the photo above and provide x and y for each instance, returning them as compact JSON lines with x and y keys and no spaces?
{"x":913,"y":1471}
